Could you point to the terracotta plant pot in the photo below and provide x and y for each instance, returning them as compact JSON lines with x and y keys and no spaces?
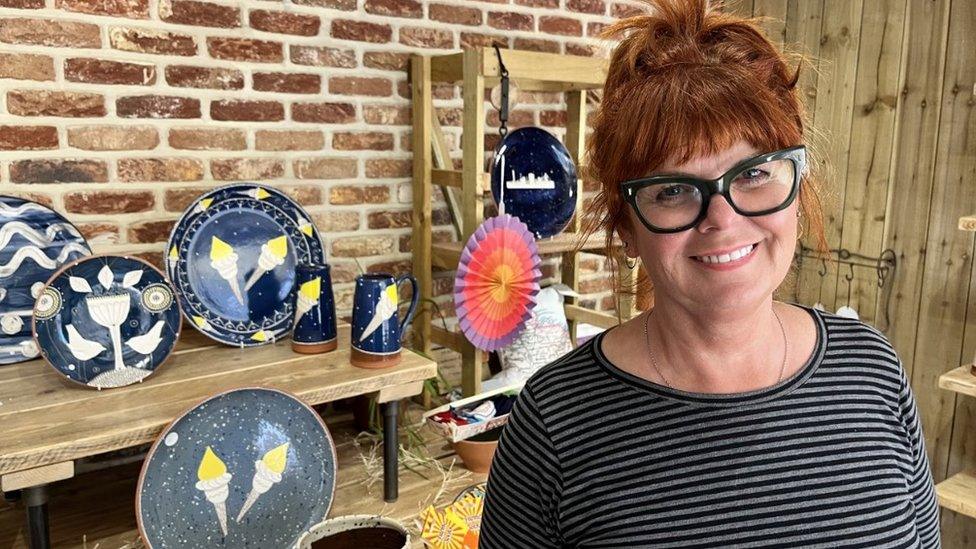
{"x":477,"y":452}
{"x":356,"y":532}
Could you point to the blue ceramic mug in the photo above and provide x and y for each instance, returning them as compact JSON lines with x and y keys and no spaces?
{"x":315,"y":318}
{"x":376,"y":327}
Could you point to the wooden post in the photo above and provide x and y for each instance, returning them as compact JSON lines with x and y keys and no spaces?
{"x":422,"y":223}
{"x":576,"y":144}
{"x":472,"y":202}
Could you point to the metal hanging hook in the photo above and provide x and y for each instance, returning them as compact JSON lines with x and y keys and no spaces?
{"x":503,"y":107}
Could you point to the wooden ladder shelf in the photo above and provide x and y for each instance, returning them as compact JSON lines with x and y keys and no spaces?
{"x":958,"y":492}
{"x":475,"y":69}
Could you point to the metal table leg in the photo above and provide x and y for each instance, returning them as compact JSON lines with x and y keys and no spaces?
{"x":390,"y":446}
{"x":35,"y":499}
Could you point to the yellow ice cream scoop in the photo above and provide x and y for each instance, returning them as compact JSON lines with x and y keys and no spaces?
{"x":310,"y":290}
{"x":278,"y":246}
{"x":211,"y":466}
{"x":275,"y":458}
{"x":219,"y":249}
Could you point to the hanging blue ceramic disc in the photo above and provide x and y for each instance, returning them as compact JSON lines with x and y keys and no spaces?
{"x":535,"y":176}
{"x":246,"y":468}
{"x":253,"y":306}
{"x":107,"y":321}
{"x":34,"y":243}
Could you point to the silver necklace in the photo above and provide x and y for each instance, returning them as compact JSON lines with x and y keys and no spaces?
{"x":650,"y":353}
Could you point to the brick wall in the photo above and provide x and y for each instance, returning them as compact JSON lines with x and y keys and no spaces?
{"x":119,"y":112}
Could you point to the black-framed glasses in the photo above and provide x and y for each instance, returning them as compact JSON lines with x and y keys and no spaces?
{"x":757,"y":186}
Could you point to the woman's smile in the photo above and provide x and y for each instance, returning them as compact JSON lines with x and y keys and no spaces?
{"x":727,"y":261}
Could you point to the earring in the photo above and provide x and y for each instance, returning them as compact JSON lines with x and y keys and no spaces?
{"x":631,"y":262}
{"x":799,"y":233}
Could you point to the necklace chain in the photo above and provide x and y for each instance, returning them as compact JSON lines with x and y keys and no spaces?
{"x":650,"y":352}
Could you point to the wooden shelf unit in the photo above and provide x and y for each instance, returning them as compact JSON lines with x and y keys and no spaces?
{"x":958,"y":492}
{"x":475,"y":69}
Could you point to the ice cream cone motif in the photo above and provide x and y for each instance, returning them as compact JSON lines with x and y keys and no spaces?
{"x":272,"y":254}
{"x":385,"y":309}
{"x":214,"y":479}
{"x":223,"y":259}
{"x":267,"y":473}
{"x":308,"y":297}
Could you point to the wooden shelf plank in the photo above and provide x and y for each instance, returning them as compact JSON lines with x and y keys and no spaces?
{"x":532,"y":71}
{"x":958,"y":493}
{"x":967,"y":223}
{"x":960,"y":380}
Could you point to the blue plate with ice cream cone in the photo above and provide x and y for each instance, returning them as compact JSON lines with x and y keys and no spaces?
{"x":247,"y":468}
{"x":232,"y":258}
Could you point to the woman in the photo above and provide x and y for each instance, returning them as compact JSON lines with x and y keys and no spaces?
{"x":719,"y":418}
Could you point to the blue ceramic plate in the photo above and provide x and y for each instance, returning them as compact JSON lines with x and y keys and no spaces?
{"x":246,"y":468}
{"x":34,"y":243}
{"x":535,"y":176}
{"x":106,"y":321}
{"x":232,"y":257}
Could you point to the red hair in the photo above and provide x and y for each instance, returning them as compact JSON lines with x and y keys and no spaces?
{"x":687,"y":81}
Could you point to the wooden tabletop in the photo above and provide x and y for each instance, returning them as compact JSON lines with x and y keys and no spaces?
{"x":46,"y":419}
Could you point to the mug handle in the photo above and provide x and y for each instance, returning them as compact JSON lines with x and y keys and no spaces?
{"x":414,"y":298}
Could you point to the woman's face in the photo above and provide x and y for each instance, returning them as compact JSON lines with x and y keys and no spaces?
{"x":674,"y":261}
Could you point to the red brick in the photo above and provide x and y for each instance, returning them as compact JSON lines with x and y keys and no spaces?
{"x":245,"y":49}
{"x":47,"y":32}
{"x":306,"y":195}
{"x":516,"y":118}
{"x":253,"y":111}
{"x":506,"y":20}
{"x":388,"y":167}
{"x":321,"y":56}
{"x":133,"y":9}
{"x":288,"y":140}
{"x":99,"y":231}
{"x":386,"y":60}
{"x":362,"y":31}
{"x":287,"y":83}
{"x":325,"y":168}
{"x":376,"y":194}
{"x":26,"y":66}
{"x":113,"y":138}
{"x":458,"y":15}
{"x":22,"y":4}
{"x":157,"y":106}
{"x":345,"y":5}
{"x":594,"y":29}
{"x":423,"y":37}
{"x":356,"y":85}
{"x":535,"y":44}
{"x":177,"y":200}
{"x":553,"y":118}
{"x":438,"y":237}
{"x":594,"y":285}
{"x":538,"y":3}
{"x":28,"y":138}
{"x":109,"y":202}
{"x":102,"y":71}
{"x":598,"y":7}
{"x":395,"y":268}
{"x":395,"y":8}
{"x":477,"y":39}
{"x":150,"y":232}
{"x":284,"y":22}
{"x":206,"y":14}
{"x":58,"y":171}
{"x":620,"y":11}
{"x":187,"y":76}
{"x":207,"y":139}
{"x":390,"y":219}
{"x":450,"y":116}
{"x":324,"y":113}
{"x":55,"y":103}
{"x":160,"y":169}
{"x":560,"y":25}
{"x":373,"y":141}
{"x":241,"y":169}
{"x":582,"y":50}
{"x":334,"y":222}
{"x":152,"y":41}
{"x":359,"y":246}
{"x":387,"y":115}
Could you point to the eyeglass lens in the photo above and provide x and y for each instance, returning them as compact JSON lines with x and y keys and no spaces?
{"x":669,"y":205}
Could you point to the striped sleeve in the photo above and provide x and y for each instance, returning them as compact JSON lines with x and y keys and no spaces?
{"x":921,"y":485}
{"x":524,"y":484}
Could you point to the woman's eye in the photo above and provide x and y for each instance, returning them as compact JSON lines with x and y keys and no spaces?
{"x":753,"y":174}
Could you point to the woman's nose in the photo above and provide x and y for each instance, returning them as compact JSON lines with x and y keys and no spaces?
{"x":719,"y":214}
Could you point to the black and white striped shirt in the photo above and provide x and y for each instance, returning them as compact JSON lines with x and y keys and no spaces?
{"x":831,"y":457}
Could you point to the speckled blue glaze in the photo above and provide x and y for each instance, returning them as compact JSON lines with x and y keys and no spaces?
{"x":67,"y":330}
{"x":528,"y":152}
{"x":245,"y":216}
{"x":240,"y":426}
{"x":370,"y":289}
{"x":318,"y":324}
{"x":34,"y":243}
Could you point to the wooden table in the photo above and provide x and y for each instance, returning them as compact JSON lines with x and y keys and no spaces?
{"x":48,"y":422}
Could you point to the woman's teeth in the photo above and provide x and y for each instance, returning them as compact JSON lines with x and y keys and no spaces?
{"x":726,"y":258}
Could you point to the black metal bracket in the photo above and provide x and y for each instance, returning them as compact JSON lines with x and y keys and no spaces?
{"x":503,"y":108}
{"x":884,"y":266}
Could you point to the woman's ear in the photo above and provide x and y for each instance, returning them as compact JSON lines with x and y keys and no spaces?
{"x":627,"y":237}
